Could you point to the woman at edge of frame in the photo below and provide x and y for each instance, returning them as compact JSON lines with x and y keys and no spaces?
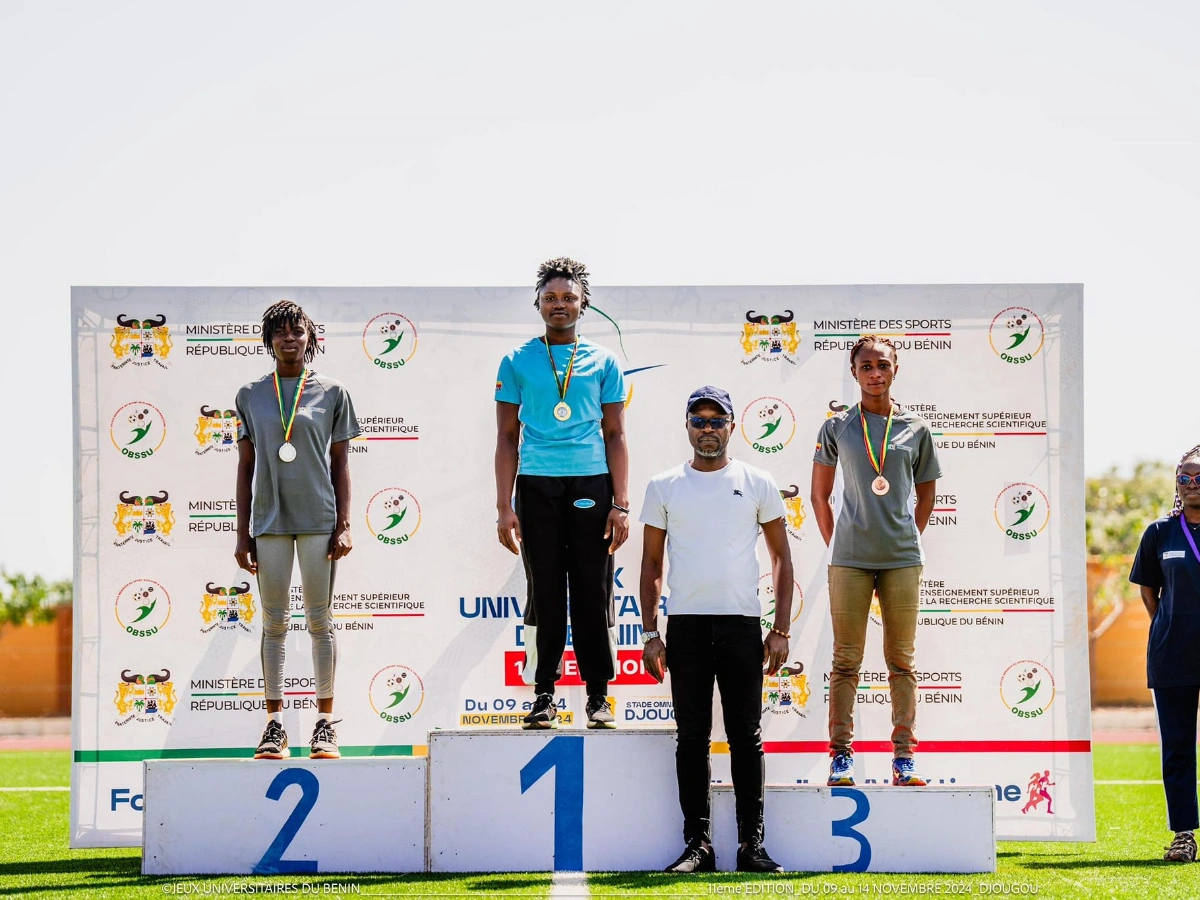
{"x":876,"y":544}
{"x":562,"y":490}
{"x":1167,"y":571}
{"x":293,"y":500}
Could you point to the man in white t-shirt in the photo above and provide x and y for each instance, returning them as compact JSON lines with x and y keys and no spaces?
{"x":707,"y":514}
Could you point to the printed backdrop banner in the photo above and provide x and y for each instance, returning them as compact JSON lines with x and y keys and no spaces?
{"x":429,"y":606}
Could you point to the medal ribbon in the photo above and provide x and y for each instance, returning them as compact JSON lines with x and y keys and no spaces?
{"x":289,"y":421}
{"x":1187,"y":533}
{"x":566,"y":382}
{"x":877,"y":464}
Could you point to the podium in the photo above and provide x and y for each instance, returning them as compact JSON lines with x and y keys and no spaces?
{"x":287,"y":816}
{"x":529,"y":801}
{"x":871,"y":828}
{"x":524,"y":801}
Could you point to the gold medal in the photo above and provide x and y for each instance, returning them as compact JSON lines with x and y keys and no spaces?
{"x":562,"y":412}
{"x":880,"y":486}
{"x":287,"y":451}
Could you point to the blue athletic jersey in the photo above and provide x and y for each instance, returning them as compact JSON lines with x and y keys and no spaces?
{"x":548,"y":446}
{"x":1165,"y":560}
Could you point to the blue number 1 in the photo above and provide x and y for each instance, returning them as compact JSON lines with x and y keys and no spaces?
{"x":845,"y":828}
{"x":271,"y":864}
{"x":565,"y":755}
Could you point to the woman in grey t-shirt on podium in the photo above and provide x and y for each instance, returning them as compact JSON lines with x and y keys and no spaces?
{"x":886,"y":453}
{"x":293,"y":500}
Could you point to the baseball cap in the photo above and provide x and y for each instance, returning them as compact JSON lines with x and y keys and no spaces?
{"x":715,"y":394}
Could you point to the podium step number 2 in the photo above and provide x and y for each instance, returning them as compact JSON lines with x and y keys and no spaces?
{"x":284,"y":817}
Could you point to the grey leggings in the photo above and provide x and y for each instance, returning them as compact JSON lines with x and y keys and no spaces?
{"x":275,"y":554}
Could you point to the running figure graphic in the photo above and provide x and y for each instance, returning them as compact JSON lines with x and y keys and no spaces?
{"x":1038,"y":793}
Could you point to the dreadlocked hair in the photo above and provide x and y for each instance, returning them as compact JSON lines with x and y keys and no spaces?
{"x":869,"y":340}
{"x":562,"y":267}
{"x":286,"y":313}
{"x":1191,"y":454}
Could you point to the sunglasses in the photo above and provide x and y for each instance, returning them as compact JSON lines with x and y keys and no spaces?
{"x":717,"y":422}
{"x":1188,"y":479}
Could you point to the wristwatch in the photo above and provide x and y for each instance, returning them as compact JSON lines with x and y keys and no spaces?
{"x":648,"y":636}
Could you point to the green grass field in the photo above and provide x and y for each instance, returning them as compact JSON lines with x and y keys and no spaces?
{"x":1124,"y":862}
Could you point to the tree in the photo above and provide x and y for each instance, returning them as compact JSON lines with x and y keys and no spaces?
{"x":28,"y":601}
{"x":1120,"y":507}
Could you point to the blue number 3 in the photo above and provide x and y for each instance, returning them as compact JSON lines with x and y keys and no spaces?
{"x":845,"y":828}
{"x":271,"y":863}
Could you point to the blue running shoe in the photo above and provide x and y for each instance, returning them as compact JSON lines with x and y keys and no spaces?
{"x":841,"y":771}
{"x":904,"y":773}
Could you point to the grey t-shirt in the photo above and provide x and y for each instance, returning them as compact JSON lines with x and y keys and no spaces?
{"x":874,"y":532}
{"x":294,"y":497}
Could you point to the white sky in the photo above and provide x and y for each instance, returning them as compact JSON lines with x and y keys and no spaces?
{"x":664,"y":143}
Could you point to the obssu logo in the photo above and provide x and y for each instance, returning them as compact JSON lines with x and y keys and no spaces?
{"x":216,"y":430}
{"x":137,"y":430}
{"x":793,"y":507}
{"x":390,"y":340}
{"x":227,"y":608}
{"x":768,"y":424}
{"x":145,"y":698}
{"x":143,"y":608}
{"x":787,"y":691}
{"x":141,"y":343}
{"x":770,"y":338}
{"x":143,"y":519}
{"x":1027,"y":689}
{"x":1022,"y":511}
{"x":1017,"y":334}
{"x":393,"y":516}
{"x":766,"y":602}
{"x":396,"y":694}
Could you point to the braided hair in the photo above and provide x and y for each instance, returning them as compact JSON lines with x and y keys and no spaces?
{"x":562,"y":267}
{"x":285,"y":313}
{"x":869,"y":340}
{"x":1194,"y":453}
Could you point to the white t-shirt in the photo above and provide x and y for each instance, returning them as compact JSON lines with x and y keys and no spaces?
{"x":711,"y":520}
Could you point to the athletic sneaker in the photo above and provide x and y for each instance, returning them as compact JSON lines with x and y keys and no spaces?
{"x":753,"y":858}
{"x":324,"y":740}
{"x":904,"y":773}
{"x":841,"y":770}
{"x":598,"y":713}
{"x":1182,"y":849}
{"x":544,"y":713}
{"x":274,"y":742}
{"x":697,"y":857}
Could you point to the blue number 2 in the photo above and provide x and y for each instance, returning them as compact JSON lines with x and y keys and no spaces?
{"x":271,"y":864}
{"x":565,"y":755}
{"x":845,"y":828}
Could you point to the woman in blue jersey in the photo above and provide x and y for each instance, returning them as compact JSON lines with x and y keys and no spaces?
{"x":1167,"y":568}
{"x":560,"y":438}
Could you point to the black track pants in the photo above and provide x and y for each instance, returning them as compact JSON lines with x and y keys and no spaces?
{"x":562,"y":544}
